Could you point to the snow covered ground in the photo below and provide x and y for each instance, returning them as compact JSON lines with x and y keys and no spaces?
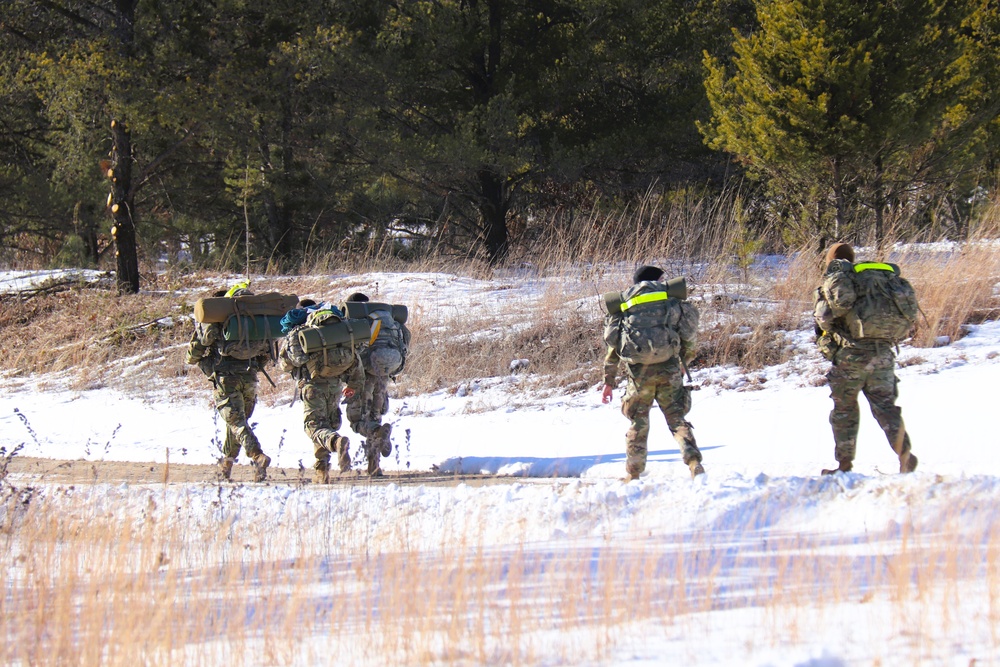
{"x":761,"y":511}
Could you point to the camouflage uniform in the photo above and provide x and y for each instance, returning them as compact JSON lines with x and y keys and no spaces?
{"x":382,"y":360}
{"x":320,"y":385}
{"x":863,"y":365}
{"x":234,"y":379}
{"x":662,"y":382}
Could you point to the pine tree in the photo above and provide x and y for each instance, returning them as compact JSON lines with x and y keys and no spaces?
{"x":854,"y":97}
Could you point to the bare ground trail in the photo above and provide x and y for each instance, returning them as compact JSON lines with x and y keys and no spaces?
{"x":27,"y":470}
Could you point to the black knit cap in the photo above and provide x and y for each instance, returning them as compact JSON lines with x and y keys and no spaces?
{"x":358,"y":297}
{"x":644,"y":273}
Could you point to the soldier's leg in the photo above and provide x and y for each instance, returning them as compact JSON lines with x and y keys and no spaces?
{"x":636,"y":404}
{"x":341,"y":444}
{"x":249,"y":390}
{"x":380,"y":405}
{"x":674,"y":400}
{"x":321,"y":420}
{"x":846,"y":381}
{"x":369,"y":411}
{"x":359,"y":410}
{"x":231,"y":404}
{"x":881,"y":390}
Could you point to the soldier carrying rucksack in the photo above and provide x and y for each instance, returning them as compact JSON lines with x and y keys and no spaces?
{"x":862,"y":312}
{"x":654,"y":331}
{"x":231,"y":344}
{"x":321,"y":352}
{"x":384,"y":359}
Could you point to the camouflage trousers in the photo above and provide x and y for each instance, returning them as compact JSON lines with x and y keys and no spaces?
{"x":366,"y":408}
{"x":873,"y":373}
{"x":321,"y":418}
{"x":663,"y":383}
{"x":235,"y":398}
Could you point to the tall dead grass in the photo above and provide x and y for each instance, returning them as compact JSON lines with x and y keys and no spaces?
{"x":178,"y":580}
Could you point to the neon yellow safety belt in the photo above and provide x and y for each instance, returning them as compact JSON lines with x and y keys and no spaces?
{"x":644,"y":298}
{"x":876,"y":266}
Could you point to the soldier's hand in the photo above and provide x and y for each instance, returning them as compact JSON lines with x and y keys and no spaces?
{"x":348,"y":393}
{"x":607,"y":393}
{"x":207,"y":366}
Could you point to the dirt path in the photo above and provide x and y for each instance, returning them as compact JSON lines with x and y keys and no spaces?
{"x":27,"y":470}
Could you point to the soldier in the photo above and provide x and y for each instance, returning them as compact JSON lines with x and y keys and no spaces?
{"x":319,"y":377}
{"x":860,"y":347}
{"x":232,"y":367}
{"x":646,"y":317}
{"x":383,"y":359}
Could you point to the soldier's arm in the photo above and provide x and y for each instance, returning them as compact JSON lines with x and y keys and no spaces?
{"x":356,"y":375}
{"x":202,"y":341}
{"x":611,"y":363}
{"x":687,"y":329}
{"x":822,"y":313}
{"x":838,"y":288}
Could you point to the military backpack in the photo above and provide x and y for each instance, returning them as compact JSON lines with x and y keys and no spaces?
{"x":646,"y":323}
{"x":330,"y":341}
{"x":885,"y":306}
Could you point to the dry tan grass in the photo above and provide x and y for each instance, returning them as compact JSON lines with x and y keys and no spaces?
{"x":96,"y":586}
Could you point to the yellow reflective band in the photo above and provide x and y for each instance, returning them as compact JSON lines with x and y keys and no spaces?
{"x":375,"y":331}
{"x":237,"y":287}
{"x":876,"y":266}
{"x":644,"y":298}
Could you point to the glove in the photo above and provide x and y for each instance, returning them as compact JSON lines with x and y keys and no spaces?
{"x":607,"y":393}
{"x":207,"y":366}
{"x":348,"y":393}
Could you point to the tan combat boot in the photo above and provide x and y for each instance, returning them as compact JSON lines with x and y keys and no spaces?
{"x":696,"y":469}
{"x":260,"y":462}
{"x":322,"y":475}
{"x":226,"y":468}
{"x":845,"y":466}
{"x":342,"y":446}
{"x":907,"y":462}
{"x":381,"y":436}
{"x":372,"y":451}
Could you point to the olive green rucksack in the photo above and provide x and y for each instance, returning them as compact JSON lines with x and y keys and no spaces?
{"x":646,"y":323}
{"x":331,"y":341}
{"x":885,"y":307}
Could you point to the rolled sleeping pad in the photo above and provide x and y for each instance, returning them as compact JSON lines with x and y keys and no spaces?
{"x":335,"y":334}
{"x":252,"y":327}
{"x":217,"y":309}
{"x":366,"y":308}
{"x":676,"y":289}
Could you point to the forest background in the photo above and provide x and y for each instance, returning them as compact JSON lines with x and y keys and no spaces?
{"x":307,"y":135}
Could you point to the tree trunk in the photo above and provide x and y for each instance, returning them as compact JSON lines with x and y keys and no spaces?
{"x":879,"y":206}
{"x":122,"y":210}
{"x":279,"y":226}
{"x":493,"y":197}
{"x":493,"y":210}
{"x":86,"y":228}
{"x":122,"y":196}
{"x":840,"y":219}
